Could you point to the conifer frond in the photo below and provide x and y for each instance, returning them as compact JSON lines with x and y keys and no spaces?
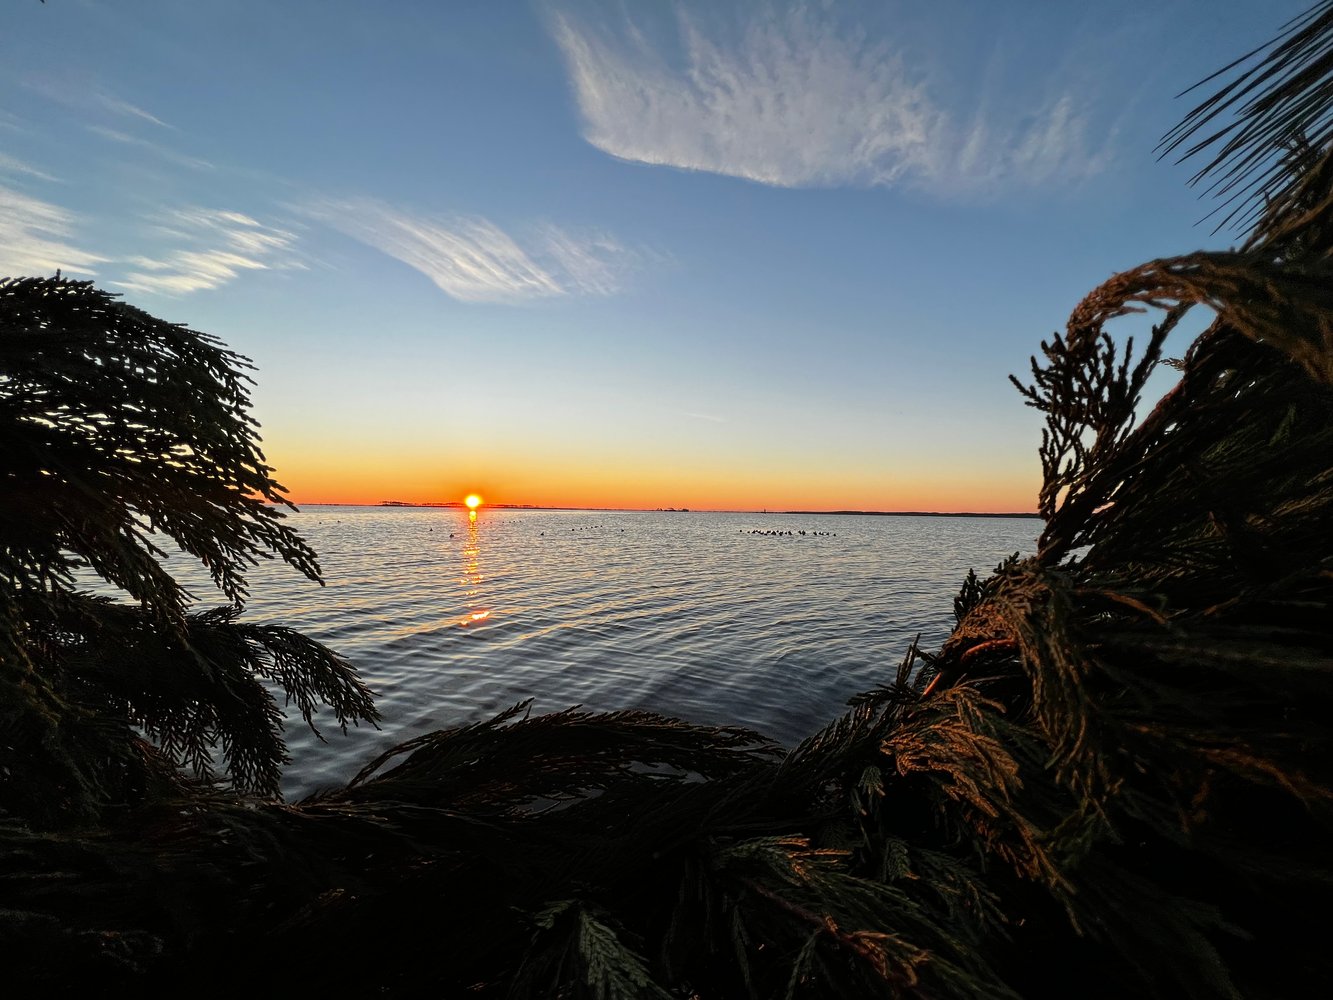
{"x":117,"y":424}
{"x":1282,"y":101}
{"x":514,"y":758}
{"x":121,"y":436}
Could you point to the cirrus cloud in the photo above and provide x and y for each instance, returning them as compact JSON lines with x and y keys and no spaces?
{"x":36,"y":238}
{"x":794,"y":99}
{"x":471,"y":259}
{"x":206,"y":248}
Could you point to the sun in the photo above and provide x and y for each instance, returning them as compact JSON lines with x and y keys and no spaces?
{"x":472,"y":500}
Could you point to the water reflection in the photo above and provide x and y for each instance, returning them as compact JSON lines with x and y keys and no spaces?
{"x":472,"y":577}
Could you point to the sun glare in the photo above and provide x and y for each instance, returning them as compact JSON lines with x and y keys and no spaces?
{"x":473,"y":501}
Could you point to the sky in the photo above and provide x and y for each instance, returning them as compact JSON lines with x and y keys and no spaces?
{"x":732,"y":256}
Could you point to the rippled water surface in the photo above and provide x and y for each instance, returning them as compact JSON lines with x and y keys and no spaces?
{"x":690,"y":614}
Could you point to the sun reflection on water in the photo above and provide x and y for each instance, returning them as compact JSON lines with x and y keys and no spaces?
{"x":472,"y":577}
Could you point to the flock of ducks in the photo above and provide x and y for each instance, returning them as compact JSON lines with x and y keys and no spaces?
{"x":819,"y":534}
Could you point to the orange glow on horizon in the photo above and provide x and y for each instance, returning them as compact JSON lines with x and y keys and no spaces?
{"x":940,"y":500}
{"x":316,"y":476}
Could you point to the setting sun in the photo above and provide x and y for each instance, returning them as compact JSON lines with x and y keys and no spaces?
{"x":472,"y":500}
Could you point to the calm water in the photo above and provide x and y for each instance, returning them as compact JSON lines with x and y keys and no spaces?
{"x":450,"y":621}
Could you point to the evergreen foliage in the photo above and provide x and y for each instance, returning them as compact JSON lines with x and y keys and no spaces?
{"x":121,"y":434}
{"x":1112,"y":780}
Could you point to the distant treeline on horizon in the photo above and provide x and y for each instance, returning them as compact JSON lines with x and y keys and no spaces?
{"x":685,"y":510}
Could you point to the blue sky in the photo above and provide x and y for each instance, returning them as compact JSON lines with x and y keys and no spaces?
{"x":643,"y":254}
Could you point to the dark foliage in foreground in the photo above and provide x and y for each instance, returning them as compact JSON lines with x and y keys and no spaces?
{"x":120,"y":434}
{"x":1112,"y":780}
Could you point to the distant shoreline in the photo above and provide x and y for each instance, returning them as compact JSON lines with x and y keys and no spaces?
{"x":665,"y":510}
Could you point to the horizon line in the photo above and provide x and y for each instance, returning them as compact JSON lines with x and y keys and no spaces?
{"x":457,"y":505}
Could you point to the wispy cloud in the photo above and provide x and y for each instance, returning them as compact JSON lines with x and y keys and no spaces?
{"x":166,"y":152}
{"x":35,"y":238}
{"x":85,"y":94}
{"x":592,"y":263}
{"x":116,"y":105}
{"x":795,"y":99}
{"x":473,"y":260}
{"x":211,"y":247}
{"x":11,"y":165}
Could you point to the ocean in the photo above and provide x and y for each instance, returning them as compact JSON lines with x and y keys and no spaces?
{"x":769,"y":621}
